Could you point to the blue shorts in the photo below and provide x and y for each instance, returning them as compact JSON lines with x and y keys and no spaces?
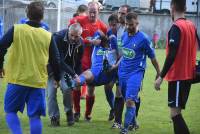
{"x":130,"y":86}
{"x":17,"y":96}
{"x":101,"y":78}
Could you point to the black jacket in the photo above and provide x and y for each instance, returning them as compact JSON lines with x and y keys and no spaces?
{"x":70,"y":54}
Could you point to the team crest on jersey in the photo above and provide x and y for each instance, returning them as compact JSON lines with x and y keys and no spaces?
{"x":128,"y":53}
{"x":119,"y":43}
{"x":100,"y":52}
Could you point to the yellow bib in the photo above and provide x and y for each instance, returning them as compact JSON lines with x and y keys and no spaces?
{"x":26,"y":62}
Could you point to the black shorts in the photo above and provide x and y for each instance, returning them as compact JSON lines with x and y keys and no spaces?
{"x":178,"y":92}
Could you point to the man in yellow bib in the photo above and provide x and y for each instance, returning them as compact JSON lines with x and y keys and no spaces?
{"x":30,"y":49}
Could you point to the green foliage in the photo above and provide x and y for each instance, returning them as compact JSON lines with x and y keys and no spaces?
{"x":153,"y":116}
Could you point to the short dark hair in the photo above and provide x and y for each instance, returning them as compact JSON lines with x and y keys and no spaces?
{"x":35,"y":11}
{"x":127,"y":7}
{"x":104,"y":41}
{"x":179,"y":5}
{"x":113,"y":17}
{"x":82,"y":8}
{"x":75,"y":14}
{"x":131,"y":15}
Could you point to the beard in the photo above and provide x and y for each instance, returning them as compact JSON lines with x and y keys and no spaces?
{"x":131,"y":31}
{"x":121,"y":20}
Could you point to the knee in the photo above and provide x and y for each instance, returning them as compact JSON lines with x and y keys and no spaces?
{"x":118,"y":92}
{"x":90,"y":91}
{"x":51,"y":95}
{"x":67,"y":93}
{"x":130,"y":103}
{"x":174,"y":112}
{"x":35,"y":117}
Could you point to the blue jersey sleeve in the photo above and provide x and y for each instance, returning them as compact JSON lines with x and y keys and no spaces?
{"x":149,"y":51}
{"x":113,"y":42}
{"x":109,"y":33}
{"x":96,"y":35}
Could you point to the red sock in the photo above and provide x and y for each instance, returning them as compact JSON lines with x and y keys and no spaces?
{"x":89,"y":105}
{"x":84,"y":91}
{"x":76,"y":99}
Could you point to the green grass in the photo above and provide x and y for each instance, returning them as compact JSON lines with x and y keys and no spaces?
{"x":153,"y":116}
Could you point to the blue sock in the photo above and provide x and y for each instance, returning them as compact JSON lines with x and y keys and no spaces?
{"x":35,"y":125}
{"x":13,"y":123}
{"x":110,"y":97}
{"x":82,"y":79}
{"x":129,"y":115}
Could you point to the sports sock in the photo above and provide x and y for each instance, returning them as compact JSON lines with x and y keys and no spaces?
{"x":110,"y":97}
{"x":84,"y":90}
{"x":180,"y":126}
{"x":89,"y":104}
{"x":76,"y":98}
{"x":13,"y":123}
{"x":118,"y":108}
{"x":137,"y":105}
{"x":129,"y":115}
{"x":35,"y":125}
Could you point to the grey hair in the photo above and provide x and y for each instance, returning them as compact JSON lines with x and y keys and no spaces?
{"x":76,"y":27}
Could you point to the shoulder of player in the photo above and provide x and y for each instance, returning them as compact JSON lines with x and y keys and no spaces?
{"x":101,"y":22}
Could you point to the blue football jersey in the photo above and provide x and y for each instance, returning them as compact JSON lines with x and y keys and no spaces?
{"x":135,"y":49}
{"x":99,"y":52}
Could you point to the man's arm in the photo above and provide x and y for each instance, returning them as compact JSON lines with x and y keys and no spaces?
{"x":5,"y":43}
{"x":54,"y":59}
{"x":115,"y":66}
{"x":174,"y":40}
{"x":156,"y":66}
{"x":79,"y":56}
{"x":58,"y":42}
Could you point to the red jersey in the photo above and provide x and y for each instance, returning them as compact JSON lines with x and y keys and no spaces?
{"x":183,"y":67}
{"x":89,"y":28}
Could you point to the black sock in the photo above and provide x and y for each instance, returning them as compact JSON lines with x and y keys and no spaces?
{"x":137,"y":104}
{"x":118,"y":107}
{"x":180,"y":126}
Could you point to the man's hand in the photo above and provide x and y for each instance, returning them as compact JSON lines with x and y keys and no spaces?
{"x":157,"y":83}
{"x":56,"y":84}
{"x":2,"y":73}
{"x":77,"y":80}
{"x":95,"y":42}
{"x":113,"y":67}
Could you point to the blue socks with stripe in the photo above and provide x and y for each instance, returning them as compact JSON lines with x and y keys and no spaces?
{"x":129,"y":115}
{"x":35,"y":125}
